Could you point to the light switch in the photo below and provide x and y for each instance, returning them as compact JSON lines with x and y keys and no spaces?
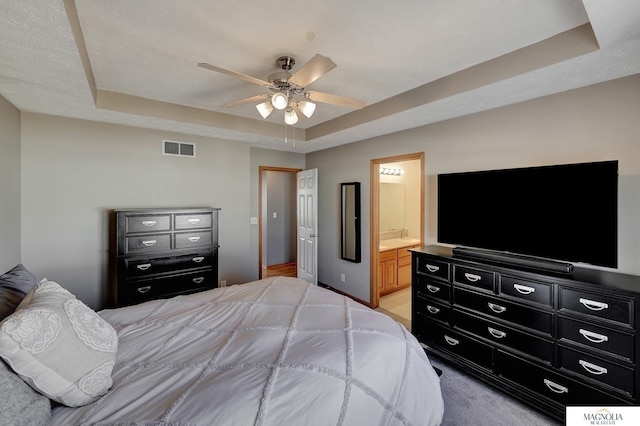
{"x":275,"y":215}
{"x":254,"y":220}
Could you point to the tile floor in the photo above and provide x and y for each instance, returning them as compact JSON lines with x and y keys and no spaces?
{"x":398,"y":302}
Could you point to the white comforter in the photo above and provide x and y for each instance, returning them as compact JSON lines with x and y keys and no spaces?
{"x":278,"y":351}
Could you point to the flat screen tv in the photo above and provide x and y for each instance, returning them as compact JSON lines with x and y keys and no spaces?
{"x":563,"y":212}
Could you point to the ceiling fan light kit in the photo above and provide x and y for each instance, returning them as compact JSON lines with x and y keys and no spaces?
{"x":288,"y":88}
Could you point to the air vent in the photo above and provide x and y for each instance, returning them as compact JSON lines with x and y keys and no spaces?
{"x":181,"y":149}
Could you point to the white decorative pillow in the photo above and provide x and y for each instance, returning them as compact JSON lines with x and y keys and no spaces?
{"x":60,"y":346}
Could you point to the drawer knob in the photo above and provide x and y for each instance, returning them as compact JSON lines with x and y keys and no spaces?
{"x":524,"y":289}
{"x":149,"y":243}
{"x":433,"y":309}
{"x":144,"y":266}
{"x":433,"y":288}
{"x":198,"y":259}
{"x":149,"y":222}
{"x":451,"y":340}
{"x":193,"y":239}
{"x":472,"y":277}
{"x":143,"y":290}
{"x":496,"y":308}
{"x":193,"y":220}
{"x":593,"y":337}
{"x":497,"y":333}
{"x":593,"y":305}
{"x":198,"y":280}
{"x":592,"y":368}
{"x":554,"y":387}
{"x":432,"y":268}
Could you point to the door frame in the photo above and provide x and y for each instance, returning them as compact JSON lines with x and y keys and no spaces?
{"x":374,"y":223}
{"x":260,"y":200}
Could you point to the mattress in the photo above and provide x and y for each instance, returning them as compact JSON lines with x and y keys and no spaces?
{"x":278,"y":351}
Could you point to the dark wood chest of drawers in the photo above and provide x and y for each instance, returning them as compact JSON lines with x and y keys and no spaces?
{"x":546,"y":339}
{"x":158,"y":253}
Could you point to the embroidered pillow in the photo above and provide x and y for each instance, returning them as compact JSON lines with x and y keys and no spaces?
{"x":59,"y":346}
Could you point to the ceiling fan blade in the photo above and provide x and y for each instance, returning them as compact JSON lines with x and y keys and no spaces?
{"x":315,"y":68}
{"x":299,"y":113}
{"x":234,"y":74}
{"x":335,"y":100}
{"x":245,"y":101}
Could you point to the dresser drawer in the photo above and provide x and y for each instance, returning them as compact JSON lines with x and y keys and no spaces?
{"x":143,"y":290}
{"x":504,"y":310}
{"x":147,"y":223}
{"x":433,"y":268}
{"x":428,"y":289}
{"x":193,"y":221}
{"x":503,"y":335}
{"x":193,"y":239}
{"x":432,"y":311}
{"x":147,"y":243}
{"x":458,"y":343}
{"x":608,"y":307}
{"x":137,"y":267}
{"x":604,"y":339}
{"x":598,"y":370}
{"x":529,"y":291}
{"x":474,"y":277}
{"x":550,"y":384}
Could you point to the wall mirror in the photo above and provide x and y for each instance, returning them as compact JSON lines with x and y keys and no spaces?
{"x":350,"y":235}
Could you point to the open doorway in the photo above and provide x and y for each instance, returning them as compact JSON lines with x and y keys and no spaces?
{"x":277,"y":231}
{"x":397,"y":224}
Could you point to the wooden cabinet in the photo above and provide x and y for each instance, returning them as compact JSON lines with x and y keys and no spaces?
{"x":157,"y":253}
{"x":550,"y":340}
{"x":394,"y":270}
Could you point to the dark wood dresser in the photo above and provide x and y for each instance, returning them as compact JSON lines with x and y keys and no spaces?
{"x":159,"y":253}
{"x":547,"y":339}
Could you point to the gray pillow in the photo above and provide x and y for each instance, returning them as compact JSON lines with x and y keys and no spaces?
{"x":14,"y":285}
{"x":20,"y":405}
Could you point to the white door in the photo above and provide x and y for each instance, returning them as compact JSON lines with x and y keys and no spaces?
{"x":308,"y":225}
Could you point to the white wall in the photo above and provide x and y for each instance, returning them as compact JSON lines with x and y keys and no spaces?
{"x":9,"y":186}
{"x":595,"y":123}
{"x":75,"y":171}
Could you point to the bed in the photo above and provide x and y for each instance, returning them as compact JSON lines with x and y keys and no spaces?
{"x":270,"y":352}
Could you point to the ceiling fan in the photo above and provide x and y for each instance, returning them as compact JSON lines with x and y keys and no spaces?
{"x":288,"y":91}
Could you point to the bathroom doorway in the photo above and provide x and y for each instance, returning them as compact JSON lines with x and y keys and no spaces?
{"x":397,"y":225}
{"x":277,"y":231}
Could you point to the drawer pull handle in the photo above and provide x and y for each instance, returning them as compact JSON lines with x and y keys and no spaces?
{"x":149,"y":222}
{"x":593,"y":305}
{"x":451,"y":340}
{"x":524,"y":289}
{"x":193,"y":220}
{"x":149,"y":243}
{"x":198,"y":280}
{"x":143,"y":290}
{"x":497,"y":333}
{"x":144,"y":266}
{"x":433,"y":288}
{"x":592,"y":368}
{"x":496,"y":308}
{"x":472,"y":277}
{"x":193,"y":239}
{"x":555,"y":387}
{"x":198,"y":259}
{"x":433,"y":309}
{"x":593,"y":337}
{"x":432,"y":268}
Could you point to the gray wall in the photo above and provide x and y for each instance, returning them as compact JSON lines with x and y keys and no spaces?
{"x":75,"y":171}
{"x":9,"y":186}
{"x":280,"y":236}
{"x":589,"y":124}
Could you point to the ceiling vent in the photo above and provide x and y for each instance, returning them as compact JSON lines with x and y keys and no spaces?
{"x":181,"y":149}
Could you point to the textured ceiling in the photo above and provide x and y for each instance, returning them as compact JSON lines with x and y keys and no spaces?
{"x":414,"y":62}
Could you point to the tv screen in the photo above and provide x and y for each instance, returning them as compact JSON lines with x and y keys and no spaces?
{"x":564,"y":212}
